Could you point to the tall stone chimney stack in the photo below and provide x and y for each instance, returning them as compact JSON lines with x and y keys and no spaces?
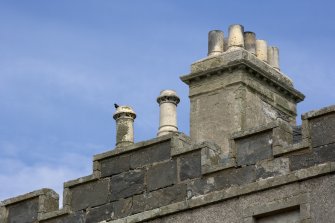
{"x":238,"y":89}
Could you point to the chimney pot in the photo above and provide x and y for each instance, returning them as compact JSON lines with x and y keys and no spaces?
{"x":124,"y":117}
{"x":273,"y":57}
{"x":168,"y":101}
{"x":250,"y":42}
{"x":235,"y":37}
{"x":262,"y":50}
{"x":215,"y":42}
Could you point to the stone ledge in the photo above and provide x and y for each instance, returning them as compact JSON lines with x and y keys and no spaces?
{"x":53,"y":214}
{"x":252,"y":131}
{"x":33,"y":194}
{"x":231,"y":192}
{"x":229,"y":163}
{"x":316,"y":113}
{"x":136,"y":146}
{"x":80,"y":180}
{"x":279,"y":151}
{"x":228,"y":57}
{"x":295,"y":200}
{"x":242,"y":58}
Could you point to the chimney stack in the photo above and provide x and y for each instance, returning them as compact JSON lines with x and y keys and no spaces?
{"x":124,"y":117}
{"x":168,"y":101}
{"x":238,"y":89}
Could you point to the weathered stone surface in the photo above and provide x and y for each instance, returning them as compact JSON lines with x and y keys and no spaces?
{"x":159,"y":198}
{"x":322,"y":130}
{"x":154,"y":153}
{"x":115,"y":165}
{"x":200,"y":186}
{"x":253,"y":148}
{"x":318,"y":155}
{"x":282,"y":136}
{"x":270,"y":168}
{"x":190,"y":165}
{"x":127,"y":184}
{"x":90,"y":194}
{"x":322,"y":198}
{"x":161,"y":175}
{"x":297,"y":134}
{"x":23,"y":212}
{"x":114,"y":210}
{"x":100,"y":213}
{"x":76,"y":217}
{"x":230,"y":177}
{"x":221,"y":180}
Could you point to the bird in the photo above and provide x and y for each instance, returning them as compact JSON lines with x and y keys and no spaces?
{"x":116,"y":105}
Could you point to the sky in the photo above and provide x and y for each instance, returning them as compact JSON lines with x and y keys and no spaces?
{"x":63,"y":64}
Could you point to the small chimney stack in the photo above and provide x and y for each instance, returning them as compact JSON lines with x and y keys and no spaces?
{"x":215,"y":42}
{"x":168,"y":101}
{"x":124,"y":117}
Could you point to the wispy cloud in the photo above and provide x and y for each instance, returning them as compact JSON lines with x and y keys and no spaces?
{"x":21,"y":178}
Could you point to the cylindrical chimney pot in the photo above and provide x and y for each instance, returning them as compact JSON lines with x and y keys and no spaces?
{"x":235,"y":37}
{"x":215,"y":42}
{"x":273,"y":57}
{"x":250,"y":42}
{"x":262,"y":50}
{"x":168,"y":101}
{"x":124,"y":117}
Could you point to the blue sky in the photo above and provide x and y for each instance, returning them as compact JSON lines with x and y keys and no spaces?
{"x":64,"y":63}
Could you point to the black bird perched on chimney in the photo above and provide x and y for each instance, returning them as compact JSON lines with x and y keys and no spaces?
{"x":116,"y":105}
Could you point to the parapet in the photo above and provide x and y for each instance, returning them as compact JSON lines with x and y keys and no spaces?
{"x":169,"y":174}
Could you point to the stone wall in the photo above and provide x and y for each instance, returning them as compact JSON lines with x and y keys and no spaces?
{"x":170,"y":179}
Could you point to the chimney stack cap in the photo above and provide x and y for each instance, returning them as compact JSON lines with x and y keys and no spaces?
{"x":168,"y":96}
{"x":124,"y":110}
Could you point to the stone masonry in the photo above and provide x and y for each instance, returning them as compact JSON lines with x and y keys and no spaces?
{"x":245,"y":161}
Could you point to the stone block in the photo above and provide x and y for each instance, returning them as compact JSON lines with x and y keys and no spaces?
{"x":270,"y":168}
{"x":100,"y":213}
{"x":161,"y":175}
{"x":109,"y":211}
{"x":89,"y":194}
{"x":322,"y":130}
{"x":253,"y":148}
{"x":319,"y":155}
{"x":282,"y":136}
{"x":190,"y":165}
{"x":159,"y":198}
{"x":154,"y":153}
{"x":23,"y":212}
{"x":77,"y":217}
{"x":297,"y":134}
{"x":200,"y":186}
{"x":221,"y":180}
{"x":127,"y":184}
{"x":234,"y":176}
{"x":115,"y":165}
